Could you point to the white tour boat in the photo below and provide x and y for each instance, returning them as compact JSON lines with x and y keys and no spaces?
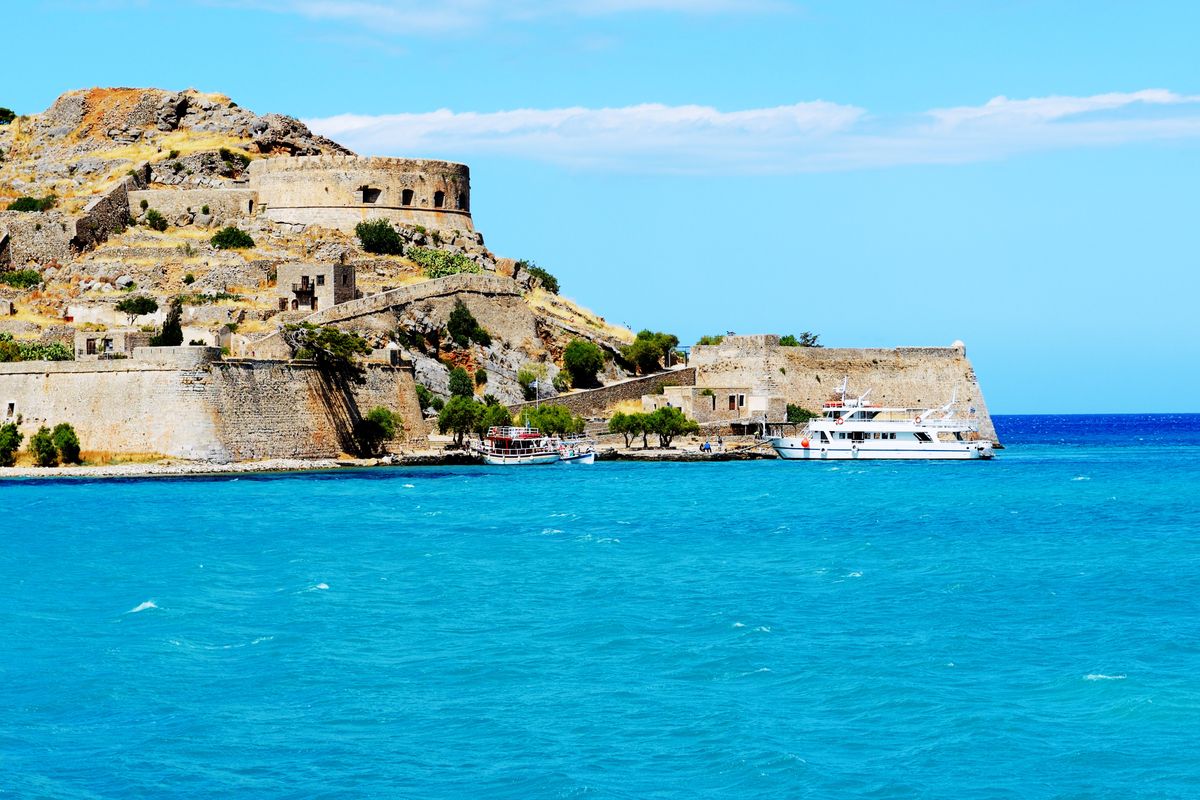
{"x":576,"y":450}
{"x":510,"y":445}
{"x":850,"y":428}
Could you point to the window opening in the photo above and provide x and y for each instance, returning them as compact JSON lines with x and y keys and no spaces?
{"x":439,"y":199}
{"x":406,"y":197}
{"x":320,"y":280}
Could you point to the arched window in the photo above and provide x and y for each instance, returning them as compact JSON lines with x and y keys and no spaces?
{"x":406,"y":197}
{"x":368,"y":194}
{"x":439,"y":199}
{"x":462,"y":201}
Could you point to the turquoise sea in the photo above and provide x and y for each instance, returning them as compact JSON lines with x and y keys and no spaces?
{"x":1024,"y":628}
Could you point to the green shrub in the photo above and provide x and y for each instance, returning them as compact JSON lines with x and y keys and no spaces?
{"x":144,"y":204}
{"x":463,"y":328}
{"x":494,"y":415}
{"x":552,"y":419}
{"x":582,"y":359}
{"x":231,"y":238}
{"x":378,"y":426}
{"x":378,"y":236}
{"x":67,"y":442}
{"x":528,"y":376}
{"x":424,"y":396}
{"x":173,"y":154}
{"x":156,"y":220}
{"x":234,"y":159}
{"x":561,"y":381}
{"x":7,"y":115}
{"x":798,"y":414}
{"x":461,"y":384}
{"x":481,"y":376}
{"x":459,"y":416}
{"x":177,"y":167}
{"x":33,"y":203}
{"x":41,"y":444}
{"x":437,"y":403}
{"x":439,"y":263}
{"x":717,"y":339}
{"x":204,"y":210}
{"x":648,"y":349}
{"x":189,"y":279}
{"x":544,"y":278}
{"x":206,"y":298}
{"x":806,"y":339}
{"x":10,"y":443}
{"x":21,"y":278}
{"x":329,"y":346}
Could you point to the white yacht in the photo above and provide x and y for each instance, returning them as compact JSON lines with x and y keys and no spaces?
{"x":851,"y":428}
{"x":510,"y":445}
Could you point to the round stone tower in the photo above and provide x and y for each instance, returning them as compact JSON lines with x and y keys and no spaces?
{"x":341,"y":191}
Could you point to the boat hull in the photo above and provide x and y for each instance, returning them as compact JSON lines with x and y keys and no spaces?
{"x":586,"y":458}
{"x":519,"y":460}
{"x":791,"y":449}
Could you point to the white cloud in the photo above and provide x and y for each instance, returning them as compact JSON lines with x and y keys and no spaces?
{"x":805,"y":137}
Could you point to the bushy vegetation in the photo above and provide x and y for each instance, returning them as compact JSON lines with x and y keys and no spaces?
{"x":531,"y":377}
{"x":33,"y":203}
{"x":463,"y":328}
{"x":171,"y":334}
{"x":439,"y":263}
{"x":11,"y":350}
{"x":21,"y":278}
{"x":649,"y":350}
{"x":481,"y":376}
{"x":666,"y":423}
{"x":189,"y":279}
{"x":460,"y":416}
{"x":137,"y":306}
{"x":715,"y":339}
{"x":805,"y":339}
{"x":583,"y":359}
{"x":798,"y":414}
{"x":328,"y":346}
{"x":378,"y":236}
{"x":234,"y":159}
{"x":207,"y":298}
{"x":10,"y":443}
{"x":377,"y":427}
{"x":424,"y":396}
{"x":553,"y":419}
{"x":461,"y":384}
{"x":231,"y":238}
{"x":67,"y":442}
{"x":7,"y":115}
{"x":562,"y":381}
{"x":544,"y":278}
{"x":156,"y":220}
{"x":41,"y":444}
{"x":629,"y":426}
{"x":493,"y":415}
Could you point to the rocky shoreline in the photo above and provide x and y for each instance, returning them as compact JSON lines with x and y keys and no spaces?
{"x":173,"y":468}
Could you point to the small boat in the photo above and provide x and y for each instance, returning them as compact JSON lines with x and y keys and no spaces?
{"x":576,"y":450}
{"x":850,"y":428}
{"x":510,"y":445}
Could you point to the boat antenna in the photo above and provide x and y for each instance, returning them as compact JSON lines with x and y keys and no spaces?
{"x":843,"y":387}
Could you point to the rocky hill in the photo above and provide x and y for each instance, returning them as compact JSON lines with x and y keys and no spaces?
{"x":82,"y":251}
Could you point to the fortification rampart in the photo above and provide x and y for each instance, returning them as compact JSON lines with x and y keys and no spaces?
{"x":597,"y":401}
{"x":341,"y":191}
{"x":807,"y":376}
{"x":187,"y":405}
{"x":183,"y":205}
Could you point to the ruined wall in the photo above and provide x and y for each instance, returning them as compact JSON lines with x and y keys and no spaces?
{"x":103,"y":215}
{"x":918,"y":377}
{"x":596,"y":401}
{"x":37,"y":238}
{"x":183,"y":205}
{"x":186,"y":404}
{"x":340,"y":191}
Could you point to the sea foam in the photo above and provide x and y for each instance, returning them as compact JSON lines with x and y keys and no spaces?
{"x":146,"y":606}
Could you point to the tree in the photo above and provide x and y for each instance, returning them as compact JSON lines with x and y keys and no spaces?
{"x":137,"y":306}
{"x":532,"y":377}
{"x":463,"y":328}
{"x":561,"y":381}
{"x":378,"y":236}
{"x":669,"y":422}
{"x":544,"y":278}
{"x":648,"y":349}
{"x":171,"y":334}
{"x":805,"y":339}
{"x":231,"y":238}
{"x":461,"y":384}
{"x":798,"y":414}
{"x":41,"y":444}
{"x":329,"y":346}
{"x":459,"y":416}
{"x":10,"y":443}
{"x":628,"y":425}
{"x":552,"y":419}
{"x":424,"y":396}
{"x":492,"y":416}
{"x":7,"y":115}
{"x":67,"y":442}
{"x":583,"y":359}
{"x":378,"y":426}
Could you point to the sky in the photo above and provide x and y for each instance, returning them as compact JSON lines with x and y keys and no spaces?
{"x":1018,"y":175}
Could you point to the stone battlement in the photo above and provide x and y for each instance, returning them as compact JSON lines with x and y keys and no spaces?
{"x":302,"y":163}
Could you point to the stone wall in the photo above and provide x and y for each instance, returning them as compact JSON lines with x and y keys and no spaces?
{"x":183,"y":206}
{"x":103,"y":215}
{"x":340,"y":191}
{"x":37,"y":238}
{"x":917,"y":377}
{"x":186,"y":404}
{"x":595,"y":402}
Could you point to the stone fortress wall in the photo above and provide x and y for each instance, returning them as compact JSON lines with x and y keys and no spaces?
{"x":918,"y":377}
{"x":182,"y":206}
{"x":341,"y":191}
{"x":185,"y":402}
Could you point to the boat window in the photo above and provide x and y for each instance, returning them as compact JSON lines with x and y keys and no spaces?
{"x":922,"y":436}
{"x":824,"y":436}
{"x":841,"y":434}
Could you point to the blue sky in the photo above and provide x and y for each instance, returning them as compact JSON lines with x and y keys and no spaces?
{"x":1018,"y":175}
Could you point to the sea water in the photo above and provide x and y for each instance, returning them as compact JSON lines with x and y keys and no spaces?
{"x":1022,"y":628}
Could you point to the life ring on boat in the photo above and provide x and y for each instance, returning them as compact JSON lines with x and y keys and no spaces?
{"x":839,"y":421}
{"x":916,"y":420}
{"x":804,"y":443}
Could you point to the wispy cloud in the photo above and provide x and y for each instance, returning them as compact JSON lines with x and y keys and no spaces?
{"x":805,"y":137}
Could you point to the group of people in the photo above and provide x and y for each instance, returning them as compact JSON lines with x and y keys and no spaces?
{"x":708,"y":448}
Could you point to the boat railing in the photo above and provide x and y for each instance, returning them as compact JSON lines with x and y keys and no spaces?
{"x":513,"y":432}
